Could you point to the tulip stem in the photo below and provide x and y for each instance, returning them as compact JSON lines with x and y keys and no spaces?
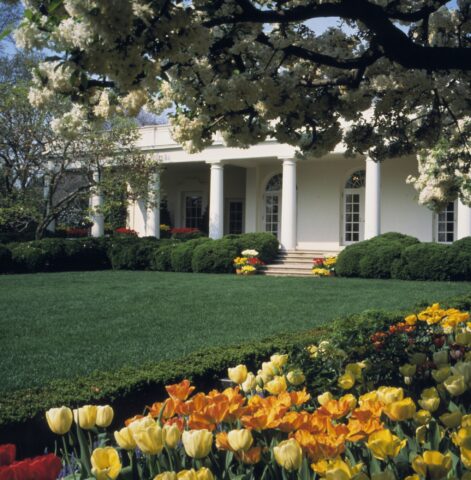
{"x":170,"y":460}
{"x":66,"y":454}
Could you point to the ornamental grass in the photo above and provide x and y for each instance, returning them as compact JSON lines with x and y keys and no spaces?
{"x":271,"y":425}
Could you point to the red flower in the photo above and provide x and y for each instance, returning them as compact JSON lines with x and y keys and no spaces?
{"x":45,"y":467}
{"x":126,"y":231}
{"x":7,"y":454}
{"x":318,"y":262}
{"x":184,"y":230}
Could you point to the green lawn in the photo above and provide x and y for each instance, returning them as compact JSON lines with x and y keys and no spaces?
{"x":63,"y":324}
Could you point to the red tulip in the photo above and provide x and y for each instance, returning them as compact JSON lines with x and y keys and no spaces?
{"x":7,"y":454}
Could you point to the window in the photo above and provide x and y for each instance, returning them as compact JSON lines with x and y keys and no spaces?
{"x":446,"y":224}
{"x":193,"y":211}
{"x":273,"y":204}
{"x":236,"y":209}
{"x":353,"y":206}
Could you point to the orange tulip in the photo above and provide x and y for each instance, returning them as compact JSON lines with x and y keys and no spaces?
{"x":180,"y":391}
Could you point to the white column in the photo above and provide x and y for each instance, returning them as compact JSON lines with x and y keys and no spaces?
{"x":216,"y":201}
{"x":251,"y":204}
{"x":463,"y":227}
{"x":96,"y":203}
{"x":51,"y":227}
{"x":289,"y":206}
{"x":372,"y":199}
{"x":153,"y":212}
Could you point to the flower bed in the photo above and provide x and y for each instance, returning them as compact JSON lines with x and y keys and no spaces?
{"x":248,"y":263}
{"x":324,"y":266}
{"x":276,"y":423}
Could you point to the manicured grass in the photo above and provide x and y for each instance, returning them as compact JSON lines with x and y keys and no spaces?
{"x":66,"y":324}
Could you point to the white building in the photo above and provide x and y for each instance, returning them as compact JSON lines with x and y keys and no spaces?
{"x":321,"y":204}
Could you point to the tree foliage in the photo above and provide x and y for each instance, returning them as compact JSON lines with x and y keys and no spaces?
{"x":392,"y":79}
{"x":47,"y":167}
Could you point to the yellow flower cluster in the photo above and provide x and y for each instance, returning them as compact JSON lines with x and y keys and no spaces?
{"x":321,"y":272}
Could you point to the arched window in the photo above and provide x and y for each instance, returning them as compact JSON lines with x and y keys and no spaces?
{"x":356,"y":180}
{"x":275,"y":183}
{"x":353,"y":208}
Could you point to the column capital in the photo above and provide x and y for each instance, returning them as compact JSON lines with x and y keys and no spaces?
{"x":215,"y":163}
{"x":288,"y":159}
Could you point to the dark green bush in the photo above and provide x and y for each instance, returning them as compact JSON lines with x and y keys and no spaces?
{"x":162,"y":258}
{"x":425,"y":261}
{"x":348,"y":261}
{"x":214,"y":257}
{"x":87,"y":254}
{"x":5,"y":259}
{"x":378,"y":261}
{"x":266,"y":244}
{"x":186,"y":236}
{"x":27,"y":258}
{"x":181,"y":256}
{"x":133,"y":253}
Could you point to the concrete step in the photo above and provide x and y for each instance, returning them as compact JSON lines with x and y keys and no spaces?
{"x":284,"y":273}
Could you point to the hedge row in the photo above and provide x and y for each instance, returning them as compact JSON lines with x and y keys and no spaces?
{"x":132,"y":253}
{"x":129,"y":389}
{"x":393,"y":255}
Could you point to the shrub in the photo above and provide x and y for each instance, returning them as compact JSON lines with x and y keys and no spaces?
{"x":133,"y":253}
{"x":87,"y":254}
{"x":348,"y":261}
{"x":182,"y":254}
{"x":214,"y":257}
{"x":266,"y":244}
{"x":5,"y":259}
{"x":162,"y":257}
{"x":27,"y":258}
{"x":378,"y":261}
{"x":425,"y":261}
{"x":185,"y":233}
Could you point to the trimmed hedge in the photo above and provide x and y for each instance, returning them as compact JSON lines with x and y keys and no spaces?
{"x":132,"y":253}
{"x":5,"y":259}
{"x":181,"y":255}
{"x":214,"y":257}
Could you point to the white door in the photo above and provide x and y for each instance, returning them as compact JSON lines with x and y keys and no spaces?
{"x":273,"y":213}
{"x":353,"y":215}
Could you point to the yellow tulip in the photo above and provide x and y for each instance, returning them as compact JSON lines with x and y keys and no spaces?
{"x":237,"y":374}
{"x":104,"y":416}
{"x":240,"y":440}
{"x":172,"y":435}
{"x":455,"y":385}
{"x":346,"y":381}
{"x":105,"y":463}
{"x":250,"y":383}
{"x":421,"y":434}
{"x":187,"y":475}
{"x":85,"y":416}
{"x":466,"y":457}
{"x":288,"y":454}
{"x":340,"y":470}
{"x":197,"y":443}
{"x":276,"y":386}
{"x":150,"y":439}
{"x":324,"y":398}
{"x":466,"y":420}
{"x":464,"y":369}
{"x":408,"y":370}
{"x":451,"y":420}
{"x":296,"y":377}
{"x":418,"y":358}
{"x":355,"y":369}
{"x":432,"y":464}
{"x":269,"y":369}
{"x":125,"y":439}
{"x":430,"y":399}
{"x":401,"y":410}
{"x":368,"y":397}
{"x":440,"y":358}
{"x":384,"y":444}
{"x":441,"y":374}
{"x":388,"y":395}
{"x":59,"y":420}
{"x":166,"y":476}
{"x":412,"y":477}
{"x":422,"y":417}
{"x":204,"y":474}
{"x":279,"y":360}
{"x":462,"y":438}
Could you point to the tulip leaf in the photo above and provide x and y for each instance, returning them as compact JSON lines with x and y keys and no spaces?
{"x":125,"y":474}
{"x":375,"y":466}
{"x":229,"y":457}
{"x":452,"y":407}
{"x":84,"y":453}
{"x":304,"y":473}
{"x":434,"y":435}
